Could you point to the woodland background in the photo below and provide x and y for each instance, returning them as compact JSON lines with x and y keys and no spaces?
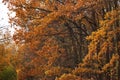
{"x":62,"y":40}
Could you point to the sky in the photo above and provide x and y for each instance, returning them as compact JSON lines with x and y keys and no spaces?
{"x":4,"y":19}
{"x":3,"y":14}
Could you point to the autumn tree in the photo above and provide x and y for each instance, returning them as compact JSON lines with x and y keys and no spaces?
{"x":103,"y":56}
{"x":53,"y":41}
{"x":7,"y":70}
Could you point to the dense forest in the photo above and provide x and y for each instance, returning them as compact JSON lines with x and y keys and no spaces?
{"x":62,"y":40}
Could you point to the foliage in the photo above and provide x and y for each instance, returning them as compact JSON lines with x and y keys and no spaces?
{"x":8,"y":73}
{"x":100,"y":47}
{"x":66,"y":39}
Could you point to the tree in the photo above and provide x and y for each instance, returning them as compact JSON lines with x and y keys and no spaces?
{"x":53,"y":40}
{"x":103,"y":55}
{"x":8,"y":73}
